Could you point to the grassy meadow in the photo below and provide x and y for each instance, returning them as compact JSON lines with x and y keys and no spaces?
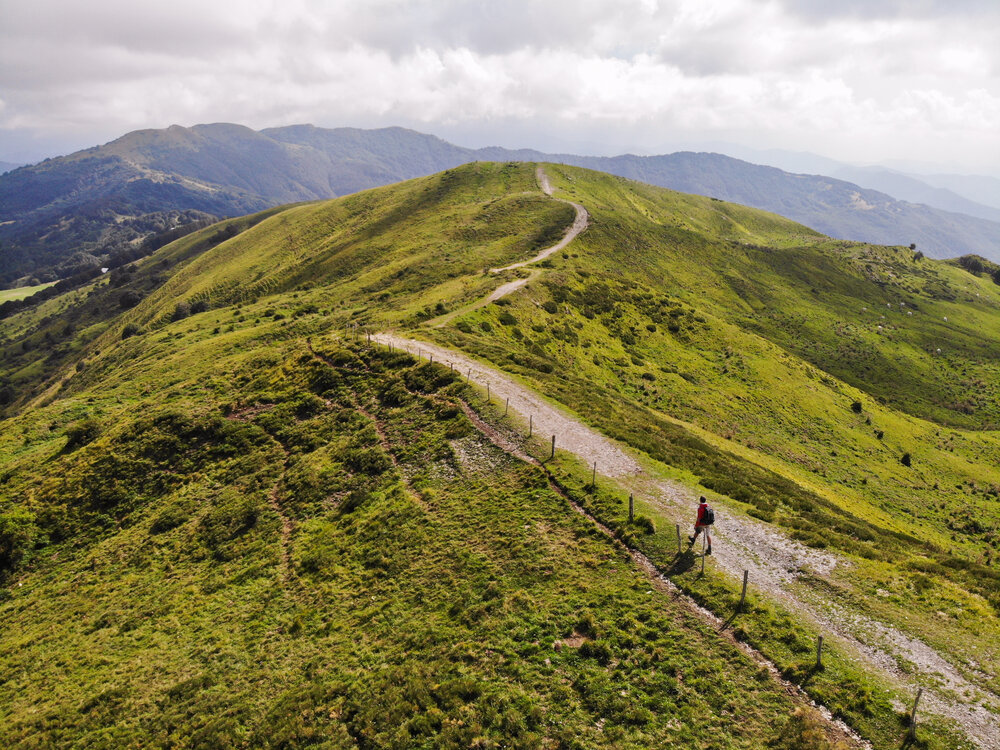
{"x":222,"y":525}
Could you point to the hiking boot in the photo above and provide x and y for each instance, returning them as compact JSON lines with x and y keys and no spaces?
{"x":690,"y":540}
{"x":708,"y":551}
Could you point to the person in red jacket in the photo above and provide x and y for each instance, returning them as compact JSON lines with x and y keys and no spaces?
{"x":703,"y":522}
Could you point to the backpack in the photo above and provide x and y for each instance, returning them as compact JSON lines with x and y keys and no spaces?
{"x":709,"y":517}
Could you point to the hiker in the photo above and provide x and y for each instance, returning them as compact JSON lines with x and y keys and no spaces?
{"x":706,"y":517}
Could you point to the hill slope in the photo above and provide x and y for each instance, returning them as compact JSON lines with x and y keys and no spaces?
{"x":303,"y":520}
{"x":63,"y":206}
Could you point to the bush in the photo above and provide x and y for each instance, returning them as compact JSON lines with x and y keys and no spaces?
{"x":130,"y":330}
{"x":905,"y":460}
{"x":230,"y":516}
{"x":507,"y":319}
{"x":199,"y":306}
{"x":646,"y":524}
{"x":370,"y":461}
{"x":129,"y":299}
{"x":856,"y":407}
{"x":485,"y":325}
{"x":181,"y":311}
{"x":550,"y":307}
{"x":18,"y":533}
{"x":804,"y":730}
{"x":82,"y":432}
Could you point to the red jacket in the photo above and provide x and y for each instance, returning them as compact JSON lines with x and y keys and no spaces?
{"x":701,"y":514}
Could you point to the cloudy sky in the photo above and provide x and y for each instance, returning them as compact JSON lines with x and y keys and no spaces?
{"x":862,"y":81}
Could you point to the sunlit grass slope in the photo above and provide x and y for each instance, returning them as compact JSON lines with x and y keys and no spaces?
{"x":201,"y":511}
{"x":413,"y":602}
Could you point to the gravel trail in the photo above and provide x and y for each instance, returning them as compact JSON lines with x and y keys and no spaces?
{"x":775,"y":561}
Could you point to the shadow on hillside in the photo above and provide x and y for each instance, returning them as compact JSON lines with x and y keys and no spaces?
{"x":685,"y":561}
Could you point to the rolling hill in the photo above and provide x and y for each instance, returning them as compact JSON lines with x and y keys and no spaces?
{"x":226,"y":517}
{"x":69,"y":205}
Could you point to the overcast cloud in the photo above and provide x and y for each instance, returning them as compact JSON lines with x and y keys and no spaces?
{"x":856,"y":80}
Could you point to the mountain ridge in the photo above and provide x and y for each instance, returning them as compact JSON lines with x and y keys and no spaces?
{"x":51,"y":210}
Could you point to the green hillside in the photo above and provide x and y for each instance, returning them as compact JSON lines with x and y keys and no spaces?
{"x":221,"y":523}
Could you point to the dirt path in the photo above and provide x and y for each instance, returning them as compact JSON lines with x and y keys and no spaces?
{"x":579,"y":224}
{"x":664,"y":585}
{"x":775,"y":562}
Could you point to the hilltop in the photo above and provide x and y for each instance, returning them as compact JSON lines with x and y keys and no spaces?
{"x":105,"y":199}
{"x":225,"y":515}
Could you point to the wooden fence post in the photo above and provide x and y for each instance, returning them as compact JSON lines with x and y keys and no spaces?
{"x":593,"y":476}
{"x":678,"y":539}
{"x":531,"y":417}
{"x":506,"y":406}
{"x":553,"y":454}
{"x":631,"y":508}
{"x":819,"y":652}
{"x":488,"y":392}
{"x":743,"y":596}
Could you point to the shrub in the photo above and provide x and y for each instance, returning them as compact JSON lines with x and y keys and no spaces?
{"x":371,"y":461}
{"x":17,"y":537}
{"x":130,"y":329}
{"x":646,"y":524}
{"x":856,"y":407}
{"x":199,"y":306}
{"x":804,"y":730}
{"x":230,"y":516}
{"x":485,"y":325}
{"x":181,"y":311}
{"x":905,"y":460}
{"x":129,"y":299}
{"x":82,"y":432}
{"x":507,"y":319}
{"x":550,"y":307}
{"x":463,"y":326}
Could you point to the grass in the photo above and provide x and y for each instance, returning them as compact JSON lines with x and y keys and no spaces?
{"x":426,"y":590}
{"x":738,"y":373}
{"x":21,"y":292}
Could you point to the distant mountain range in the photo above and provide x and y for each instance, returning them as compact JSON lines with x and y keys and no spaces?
{"x":53,"y":211}
{"x":6,"y":166}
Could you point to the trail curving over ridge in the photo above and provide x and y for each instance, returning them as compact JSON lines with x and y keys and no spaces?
{"x":579,"y":224}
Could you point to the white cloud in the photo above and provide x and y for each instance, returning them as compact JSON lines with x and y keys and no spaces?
{"x":856,"y":80}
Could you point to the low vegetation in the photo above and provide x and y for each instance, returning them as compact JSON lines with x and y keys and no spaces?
{"x":291,"y":540}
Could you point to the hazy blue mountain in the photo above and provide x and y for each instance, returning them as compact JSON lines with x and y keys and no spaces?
{"x":6,"y":166}
{"x":915,"y":190}
{"x":65,"y":206}
{"x":980,"y":188}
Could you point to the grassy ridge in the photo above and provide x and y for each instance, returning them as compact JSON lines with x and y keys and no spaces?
{"x":427,"y":584}
{"x":165,"y":437}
